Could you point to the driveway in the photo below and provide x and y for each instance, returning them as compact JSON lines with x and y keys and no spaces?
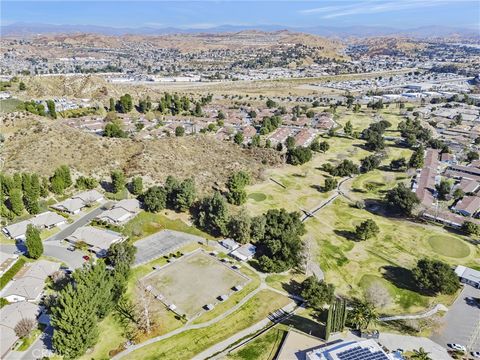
{"x":41,"y":348}
{"x":162,"y":243}
{"x":461,"y":324}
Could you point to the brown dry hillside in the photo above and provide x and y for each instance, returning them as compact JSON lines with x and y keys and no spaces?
{"x":41,"y":146}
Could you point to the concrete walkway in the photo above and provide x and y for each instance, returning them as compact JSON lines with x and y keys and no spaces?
{"x":434,"y":310}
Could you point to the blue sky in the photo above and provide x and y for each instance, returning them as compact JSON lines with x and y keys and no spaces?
{"x":205,"y":14}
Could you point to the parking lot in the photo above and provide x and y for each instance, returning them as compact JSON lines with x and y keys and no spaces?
{"x":161,"y":243}
{"x":461,"y":324}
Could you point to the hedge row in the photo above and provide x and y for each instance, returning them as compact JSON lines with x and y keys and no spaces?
{"x":11,"y":272}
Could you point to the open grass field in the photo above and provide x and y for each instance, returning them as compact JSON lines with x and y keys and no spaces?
{"x":146,"y":223}
{"x":194,"y":281}
{"x":262,"y":348}
{"x":189,"y":343}
{"x":352,"y":265}
{"x":9,"y":105}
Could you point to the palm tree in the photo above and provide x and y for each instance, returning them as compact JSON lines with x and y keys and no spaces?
{"x":420,"y":354}
{"x":362,"y":314}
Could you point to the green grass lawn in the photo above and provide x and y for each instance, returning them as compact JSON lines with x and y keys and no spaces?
{"x":146,"y":223}
{"x":351,"y":265}
{"x":111,"y":337}
{"x":263,"y":347}
{"x":29,"y":340}
{"x":257,"y":196}
{"x":449,"y":246}
{"x":189,"y":343}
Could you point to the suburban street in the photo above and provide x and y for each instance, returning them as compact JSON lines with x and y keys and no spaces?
{"x":54,"y":248}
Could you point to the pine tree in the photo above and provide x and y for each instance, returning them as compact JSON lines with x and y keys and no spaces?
{"x":16,"y":203}
{"x":33,"y":242}
{"x":74,"y":321}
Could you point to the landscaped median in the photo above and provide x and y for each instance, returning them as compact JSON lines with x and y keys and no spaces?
{"x":187,"y":344}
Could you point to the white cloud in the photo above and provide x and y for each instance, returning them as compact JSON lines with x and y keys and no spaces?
{"x":372,"y":7}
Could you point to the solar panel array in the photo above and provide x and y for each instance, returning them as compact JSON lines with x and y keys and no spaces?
{"x":359,"y":353}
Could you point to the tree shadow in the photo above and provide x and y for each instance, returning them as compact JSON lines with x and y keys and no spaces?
{"x":347,"y":234}
{"x":305,"y":325}
{"x":402,"y":278}
{"x":293,"y":287}
{"x":107,"y":186}
{"x":319,"y":188}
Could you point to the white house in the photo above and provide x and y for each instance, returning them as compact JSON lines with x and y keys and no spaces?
{"x":244,"y":252}
{"x":121,"y":212}
{"x":230,"y":244}
{"x":46,"y":220}
{"x":468,"y":276}
{"x":98,"y":240}
{"x":10,"y":316}
{"x":29,"y":286}
{"x":77,"y":202}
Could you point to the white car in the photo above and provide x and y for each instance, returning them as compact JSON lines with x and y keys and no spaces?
{"x":476,"y":354}
{"x":458,"y":347}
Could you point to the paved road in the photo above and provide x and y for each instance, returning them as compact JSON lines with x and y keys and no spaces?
{"x":462,"y":322}
{"x":84,"y":220}
{"x":161,"y":243}
{"x":54,"y":248}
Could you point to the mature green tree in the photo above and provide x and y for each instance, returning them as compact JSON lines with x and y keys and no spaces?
{"x":299,"y":155}
{"x":330,"y":184}
{"x":185,"y":195}
{"x":470,"y":228}
{"x":398,"y":164}
{"x":86,"y":183}
{"x":324,"y":146}
{"x":212,"y":214}
{"x":271,"y":104}
{"x":121,"y":256}
{"x":61,"y":179}
{"x":348,"y":128}
{"x":402,"y":199}
{"x":118,"y":181}
{"x":33,"y":242}
{"x":458,"y":193}
{"x":16,"y":202}
{"x":345,"y":168}
{"x":443,"y":189}
{"x":257,"y":227}
{"x":255,"y":142}
{"x":74,"y":320}
{"x":111,"y":105}
{"x":125,"y":104}
{"x":239,"y":227}
{"x":370,"y":163}
{"x":417,"y":158}
{"x":434,"y":276}
{"x":51,"y":109}
{"x":114,"y":130}
{"x":22,"y":86}
{"x":236,"y":187}
{"x":366,"y":230}
{"x":290,"y":142}
{"x":179,"y":131}
{"x":281,"y":248}
{"x":362,"y":314}
{"x":155,"y":199}
{"x":238,"y":138}
{"x":316,"y":292}
{"x":136,"y":185}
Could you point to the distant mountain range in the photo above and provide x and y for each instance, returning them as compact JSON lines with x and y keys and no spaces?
{"x":28,"y":29}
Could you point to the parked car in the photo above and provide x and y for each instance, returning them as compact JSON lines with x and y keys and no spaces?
{"x":86,"y":257}
{"x":71,"y":248}
{"x":476,"y":354}
{"x":458,"y":347}
{"x":18,"y":252}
